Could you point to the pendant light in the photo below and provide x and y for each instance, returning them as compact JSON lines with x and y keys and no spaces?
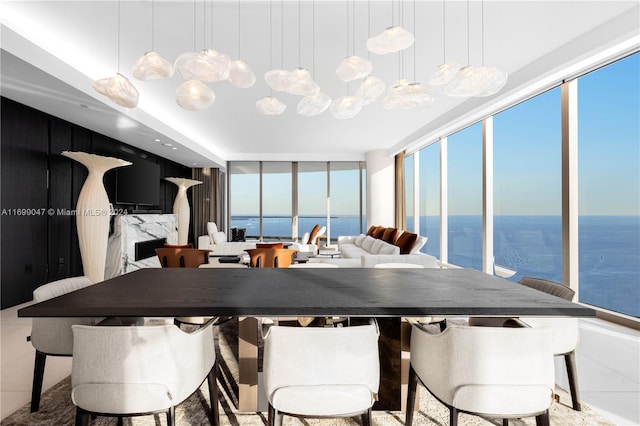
{"x":271,"y":105}
{"x":240,"y":75}
{"x":194,"y":95}
{"x":371,"y":88}
{"x":353,"y":67}
{"x":479,"y":81}
{"x":152,"y":66}
{"x":446,"y":71}
{"x":391,"y":40}
{"x":118,"y":88}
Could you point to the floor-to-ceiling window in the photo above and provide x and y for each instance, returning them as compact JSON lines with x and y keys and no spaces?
{"x":261,"y":198}
{"x":609,"y":186}
{"x":408,"y":191}
{"x":527,"y":188}
{"x":465,"y":197}
{"x":429,"y":198}
{"x":345,"y":199}
{"x":312,"y":195}
{"x":244,"y":200}
{"x":276,"y":200}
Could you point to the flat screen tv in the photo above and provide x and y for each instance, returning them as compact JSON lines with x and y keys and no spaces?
{"x":138,"y":184}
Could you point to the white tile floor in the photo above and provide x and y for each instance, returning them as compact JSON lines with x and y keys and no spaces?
{"x":608,"y":361}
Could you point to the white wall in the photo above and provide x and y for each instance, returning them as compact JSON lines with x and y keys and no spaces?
{"x":380,"y":188}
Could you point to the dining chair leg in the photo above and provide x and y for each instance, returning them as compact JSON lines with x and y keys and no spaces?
{"x":270,"y":415}
{"x":82,"y":417}
{"x":543,"y":419}
{"x":443,"y":325}
{"x":411,"y":396}
{"x":213,"y":393}
{"x":120,"y":421}
{"x":572,"y":373}
{"x":171,"y":416}
{"x":453,"y":416}
{"x":505,"y":422}
{"x":38,"y":375}
{"x":367,"y":418}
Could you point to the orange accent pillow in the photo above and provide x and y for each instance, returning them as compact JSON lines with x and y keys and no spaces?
{"x":390,"y":235}
{"x":379,"y":232}
{"x":178,"y":245}
{"x":406,"y":242}
{"x":371,"y":230}
{"x":314,"y":232}
{"x":270,"y":245}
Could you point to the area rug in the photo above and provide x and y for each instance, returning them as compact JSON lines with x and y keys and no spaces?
{"x":57,"y":409}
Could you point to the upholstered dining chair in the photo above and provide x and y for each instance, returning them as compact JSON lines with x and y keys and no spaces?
{"x":565,"y":331}
{"x":270,"y":257}
{"x":321,"y":372}
{"x":131,"y":371}
{"x":496,"y":372}
{"x":182,"y":257}
{"x":53,"y":336}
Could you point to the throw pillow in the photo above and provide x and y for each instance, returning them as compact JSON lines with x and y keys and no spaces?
{"x":406,"y":242}
{"x":219,"y":237}
{"x":420,"y":242}
{"x":389,"y":249}
{"x":367,"y":243}
{"x":371,"y":230}
{"x":359,"y":239}
{"x":270,"y":245}
{"x":376,"y":246}
{"x":379,"y":232}
{"x":390,"y":235}
{"x":313,"y":233}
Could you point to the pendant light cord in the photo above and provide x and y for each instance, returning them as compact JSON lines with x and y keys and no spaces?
{"x":482,"y":30}
{"x":281,"y":34}
{"x":118,"y":37}
{"x":239,"y":32}
{"x":153,"y":15}
{"x":444,"y":32}
{"x":299,"y":37}
{"x":194,"y":25}
{"x":468,"y":34}
{"x":368,"y":26}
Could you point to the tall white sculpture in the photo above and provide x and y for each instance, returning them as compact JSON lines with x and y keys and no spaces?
{"x":181,"y":206}
{"x":92,"y":212}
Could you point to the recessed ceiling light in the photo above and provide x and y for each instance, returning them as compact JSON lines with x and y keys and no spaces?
{"x":174,"y":147}
{"x":194,"y":164}
{"x":157,"y":140}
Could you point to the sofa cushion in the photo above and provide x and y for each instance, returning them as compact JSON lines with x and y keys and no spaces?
{"x":376,"y":246}
{"x":219,"y":237}
{"x":212,"y":228}
{"x":420,"y":242}
{"x":359,"y":239}
{"x":389,"y":235}
{"x":367,"y":243}
{"x":406,"y":242}
{"x":389,"y":249}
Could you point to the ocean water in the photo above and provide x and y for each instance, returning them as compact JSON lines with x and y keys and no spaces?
{"x":609,"y":248}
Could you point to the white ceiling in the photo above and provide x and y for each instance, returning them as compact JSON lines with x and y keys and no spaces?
{"x":53,"y":50}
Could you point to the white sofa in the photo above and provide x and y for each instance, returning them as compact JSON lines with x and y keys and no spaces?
{"x":216,"y":241}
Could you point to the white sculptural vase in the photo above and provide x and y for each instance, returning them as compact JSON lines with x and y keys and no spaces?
{"x":181,"y":206}
{"x":92,"y":212}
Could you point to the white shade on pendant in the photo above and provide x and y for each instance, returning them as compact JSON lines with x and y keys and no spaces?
{"x":119,"y":89}
{"x":270,"y":106}
{"x":314,"y":104}
{"x":278,"y":79}
{"x":444,"y":73}
{"x":152,"y":66}
{"x":346,"y":107}
{"x":193,"y":95}
{"x":354,"y":68}
{"x":206,"y":65}
{"x":240,"y":75}
{"x":404,"y":95}
{"x":393,"y":39}
{"x":301,"y":83}
{"x":370,"y":89}
{"x":476,"y":81}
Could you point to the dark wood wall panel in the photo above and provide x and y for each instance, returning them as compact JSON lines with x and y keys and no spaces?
{"x":38,"y":249}
{"x":24,"y":196}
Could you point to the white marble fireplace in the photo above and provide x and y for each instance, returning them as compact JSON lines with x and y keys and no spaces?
{"x":137,"y":234}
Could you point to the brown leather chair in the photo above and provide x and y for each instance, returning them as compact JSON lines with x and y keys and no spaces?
{"x":182,"y":257}
{"x":270,"y":258}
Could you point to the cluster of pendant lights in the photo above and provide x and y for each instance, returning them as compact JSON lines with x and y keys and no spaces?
{"x":209,"y":66}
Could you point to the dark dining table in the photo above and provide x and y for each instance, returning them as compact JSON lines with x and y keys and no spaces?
{"x":248,"y":293}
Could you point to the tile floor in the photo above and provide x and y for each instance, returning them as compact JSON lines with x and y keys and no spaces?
{"x":608,"y":361}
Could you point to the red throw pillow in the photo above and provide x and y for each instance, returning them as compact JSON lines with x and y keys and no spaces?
{"x":406,"y":242}
{"x":390,"y":235}
{"x":178,"y":245}
{"x":379,"y":232}
{"x":270,"y":245}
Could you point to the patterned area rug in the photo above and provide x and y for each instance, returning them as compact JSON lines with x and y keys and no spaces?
{"x":56,"y":407}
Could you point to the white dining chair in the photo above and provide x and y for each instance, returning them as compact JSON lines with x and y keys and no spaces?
{"x":488,"y":371}
{"x":131,"y":371}
{"x":321,"y":372}
{"x":53,"y":336}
